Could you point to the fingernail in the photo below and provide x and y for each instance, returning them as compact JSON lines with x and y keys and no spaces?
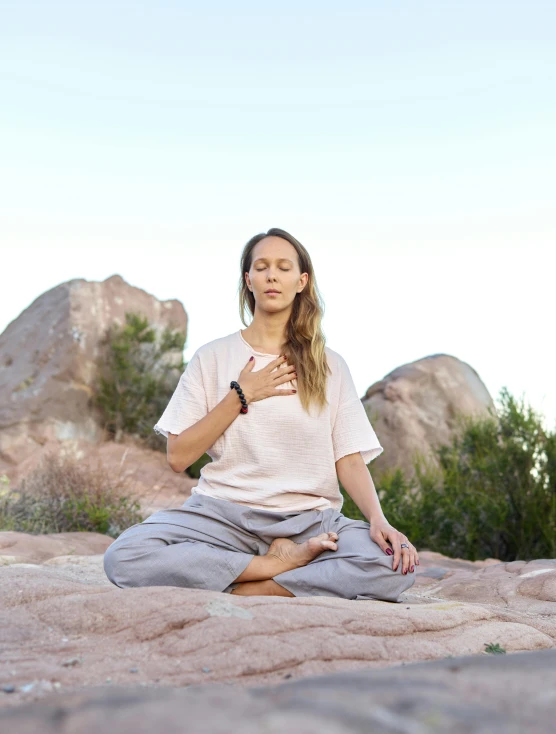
{"x":405,"y":570}
{"x":251,"y":359}
{"x":390,"y":551}
{"x":294,"y":390}
{"x":412,"y":569}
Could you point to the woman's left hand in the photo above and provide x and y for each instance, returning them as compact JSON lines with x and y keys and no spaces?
{"x":381,"y":532}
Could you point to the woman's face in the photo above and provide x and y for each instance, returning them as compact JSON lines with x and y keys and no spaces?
{"x":274,"y":266}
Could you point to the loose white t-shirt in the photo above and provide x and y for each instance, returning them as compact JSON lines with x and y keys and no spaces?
{"x":276,"y":456}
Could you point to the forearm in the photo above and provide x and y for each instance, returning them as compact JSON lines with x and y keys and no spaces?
{"x":358,"y":483}
{"x":191,"y":444}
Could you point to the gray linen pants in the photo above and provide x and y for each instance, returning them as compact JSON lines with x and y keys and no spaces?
{"x":207,"y":542}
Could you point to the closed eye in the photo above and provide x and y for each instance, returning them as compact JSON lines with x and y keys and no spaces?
{"x":259,"y":269}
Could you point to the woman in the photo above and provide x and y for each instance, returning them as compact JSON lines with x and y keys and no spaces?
{"x":278,"y":413}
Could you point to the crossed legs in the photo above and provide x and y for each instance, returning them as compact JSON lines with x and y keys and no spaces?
{"x":282,"y":555}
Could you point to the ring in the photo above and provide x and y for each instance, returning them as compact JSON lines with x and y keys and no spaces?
{"x":404,"y":545}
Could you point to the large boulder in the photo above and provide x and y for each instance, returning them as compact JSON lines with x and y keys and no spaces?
{"x":416,"y":406}
{"x":49,"y":356}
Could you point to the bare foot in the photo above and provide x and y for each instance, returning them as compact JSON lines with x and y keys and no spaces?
{"x":295,"y":555}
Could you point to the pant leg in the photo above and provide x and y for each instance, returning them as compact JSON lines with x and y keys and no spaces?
{"x":195,"y":546}
{"x":358,"y":570}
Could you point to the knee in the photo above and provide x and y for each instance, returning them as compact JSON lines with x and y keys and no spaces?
{"x":388,"y":584}
{"x":119,"y":566}
{"x":110,"y":562}
{"x":397,"y":581}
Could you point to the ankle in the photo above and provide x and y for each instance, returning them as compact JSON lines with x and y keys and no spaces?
{"x":279,"y":564}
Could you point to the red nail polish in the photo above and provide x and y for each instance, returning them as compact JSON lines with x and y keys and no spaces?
{"x":251,"y":359}
{"x":390,"y":551}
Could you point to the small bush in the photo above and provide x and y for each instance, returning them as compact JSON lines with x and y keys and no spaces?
{"x":137,"y":377}
{"x":61,"y":495}
{"x":493,"y":493}
{"x":494,"y":648}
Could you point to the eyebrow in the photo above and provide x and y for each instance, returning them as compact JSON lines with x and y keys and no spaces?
{"x":280,"y":259}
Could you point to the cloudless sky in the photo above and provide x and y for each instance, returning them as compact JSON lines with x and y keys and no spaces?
{"x":410,"y":146}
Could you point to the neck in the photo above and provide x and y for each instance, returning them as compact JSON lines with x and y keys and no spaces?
{"x":267,"y":332}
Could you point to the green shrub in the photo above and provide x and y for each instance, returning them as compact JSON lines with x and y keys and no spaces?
{"x":195,"y":469}
{"x":493,"y":493}
{"x":136,"y":382}
{"x":62,"y":495}
{"x":137,"y":375}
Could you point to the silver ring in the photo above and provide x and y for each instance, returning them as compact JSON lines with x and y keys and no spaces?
{"x":404,"y":545}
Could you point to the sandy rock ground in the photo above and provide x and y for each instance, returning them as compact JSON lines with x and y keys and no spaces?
{"x":65,"y":630}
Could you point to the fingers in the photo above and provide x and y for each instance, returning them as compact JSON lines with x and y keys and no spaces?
{"x":275,"y":362}
{"x":382,"y":543}
{"x":405,"y":560}
{"x":395,"y":542}
{"x":411,"y":559}
{"x":408,"y":556}
{"x":415,"y":559}
{"x":402,"y":554}
{"x":287,"y":376}
{"x":288,"y":372}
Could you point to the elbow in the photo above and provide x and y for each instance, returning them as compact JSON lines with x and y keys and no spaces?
{"x":175,"y":461}
{"x":178,"y":468}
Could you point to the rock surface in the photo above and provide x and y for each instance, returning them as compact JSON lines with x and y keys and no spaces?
{"x":415,"y":407}
{"x":63,"y":625}
{"x":48,"y":357}
{"x":500,"y":694}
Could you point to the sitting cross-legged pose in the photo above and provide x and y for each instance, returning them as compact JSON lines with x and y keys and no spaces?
{"x":278,"y":413}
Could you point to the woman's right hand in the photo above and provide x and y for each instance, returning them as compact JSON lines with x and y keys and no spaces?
{"x":263,"y":383}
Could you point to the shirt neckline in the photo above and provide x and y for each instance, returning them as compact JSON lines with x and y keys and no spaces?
{"x":261,"y":354}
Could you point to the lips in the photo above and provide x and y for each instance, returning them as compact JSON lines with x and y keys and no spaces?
{"x":277,"y":292}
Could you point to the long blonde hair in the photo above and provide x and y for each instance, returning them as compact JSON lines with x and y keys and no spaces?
{"x":305,"y":340}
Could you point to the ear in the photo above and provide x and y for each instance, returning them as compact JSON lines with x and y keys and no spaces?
{"x":303,"y":278}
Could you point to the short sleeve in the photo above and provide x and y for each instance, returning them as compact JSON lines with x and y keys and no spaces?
{"x":352,"y":430}
{"x":188,"y":404}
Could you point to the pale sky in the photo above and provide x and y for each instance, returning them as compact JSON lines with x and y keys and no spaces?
{"x":410,"y":146}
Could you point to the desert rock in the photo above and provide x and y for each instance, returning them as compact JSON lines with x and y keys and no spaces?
{"x":415,"y":407}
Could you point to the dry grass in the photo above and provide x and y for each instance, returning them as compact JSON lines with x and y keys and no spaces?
{"x":64,"y":495}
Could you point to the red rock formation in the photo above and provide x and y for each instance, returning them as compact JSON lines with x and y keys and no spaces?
{"x":48,"y":358}
{"x":414,"y":407}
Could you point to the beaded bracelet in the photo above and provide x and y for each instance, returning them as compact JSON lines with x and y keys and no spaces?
{"x":244,"y":407}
